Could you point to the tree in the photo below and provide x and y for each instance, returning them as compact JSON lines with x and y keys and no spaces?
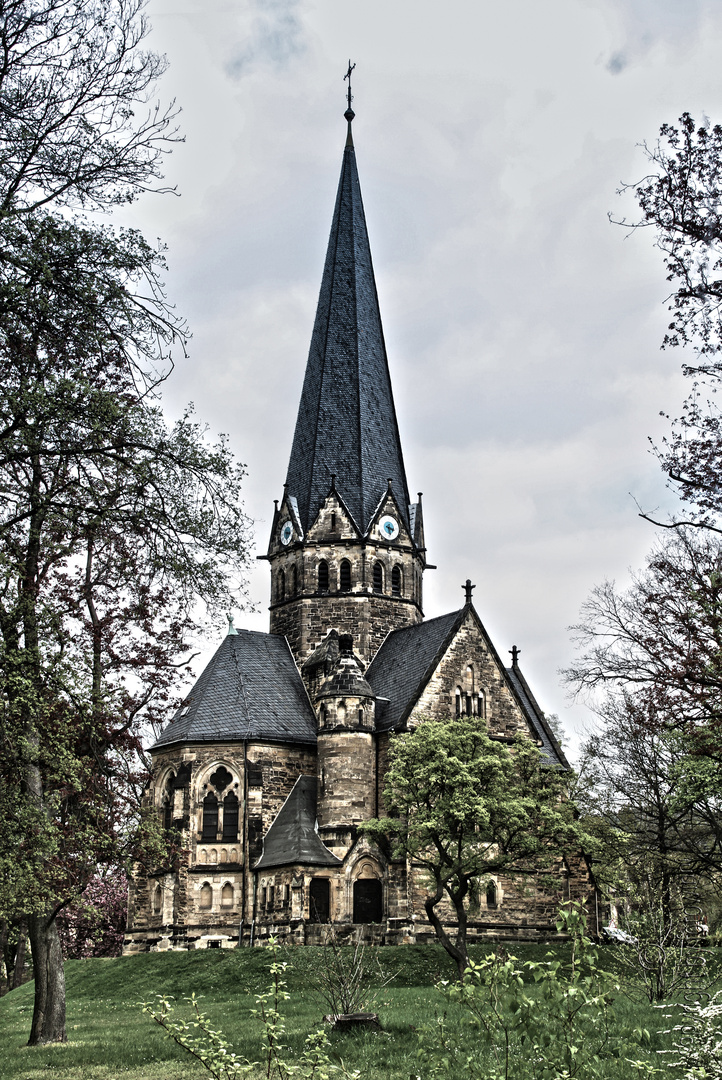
{"x":463,"y":806}
{"x":95,"y":925}
{"x":78,"y":125}
{"x":113,"y":526}
{"x":681,"y":200}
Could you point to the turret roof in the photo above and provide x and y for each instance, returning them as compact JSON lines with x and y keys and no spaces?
{"x":346,"y":422}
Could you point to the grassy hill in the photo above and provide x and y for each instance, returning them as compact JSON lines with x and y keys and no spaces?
{"x":109,"y":1038}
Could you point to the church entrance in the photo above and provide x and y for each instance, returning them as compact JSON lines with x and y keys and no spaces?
{"x":368,"y":903}
{"x":320,"y":900}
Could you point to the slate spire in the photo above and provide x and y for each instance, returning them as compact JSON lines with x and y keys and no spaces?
{"x":346,"y":422}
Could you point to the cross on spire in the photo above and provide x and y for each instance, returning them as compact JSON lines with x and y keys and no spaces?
{"x":349,"y":95}
{"x":468,"y":587}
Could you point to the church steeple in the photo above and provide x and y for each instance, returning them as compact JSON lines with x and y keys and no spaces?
{"x":346,"y":422}
{"x":347,"y":548}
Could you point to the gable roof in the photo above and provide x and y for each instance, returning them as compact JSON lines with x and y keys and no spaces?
{"x":346,"y":423}
{"x":405,"y":663}
{"x":292,"y":838}
{"x":251,"y":689}
{"x":550,"y":747}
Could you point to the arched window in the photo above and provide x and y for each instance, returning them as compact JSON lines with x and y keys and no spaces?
{"x":333,"y":523}
{"x":458,"y":701}
{"x":360,"y":716}
{"x":345,"y":575}
{"x":491,"y":895}
{"x":206,"y":897}
{"x":210,"y":817}
{"x":323,"y":576}
{"x":396,"y":581}
{"x":281,"y":585}
{"x":157,"y":900}
{"x":378,"y":577}
{"x":468,"y":704}
{"x":230,"y":817}
{"x":481,"y":703}
{"x":227,"y":895}
{"x":293,"y":584}
{"x":166,"y":809}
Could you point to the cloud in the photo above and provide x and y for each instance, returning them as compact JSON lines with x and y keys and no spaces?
{"x":644,"y":24}
{"x":275,"y":36}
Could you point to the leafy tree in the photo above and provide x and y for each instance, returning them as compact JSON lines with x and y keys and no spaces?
{"x":95,"y":924}
{"x":463,"y":805}
{"x":114,"y":525}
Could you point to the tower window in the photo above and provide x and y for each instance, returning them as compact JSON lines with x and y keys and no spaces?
{"x":458,"y":701}
{"x":378,"y":577}
{"x":230,"y":817}
{"x":293,"y":581}
{"x":210,"y":816}
{"x":345,"y":576}
{"x":481,"y":703}
{"x":396,"y":581}
{"x":281,"y":589}
{"x":323,"y":576}
{"x":468,"y":704}
{"x":333,"y":523}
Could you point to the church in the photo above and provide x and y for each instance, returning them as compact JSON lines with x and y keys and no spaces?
{"x":277,"y":754}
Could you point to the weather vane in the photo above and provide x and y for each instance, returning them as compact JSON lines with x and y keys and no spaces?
{"x":349,"y":95}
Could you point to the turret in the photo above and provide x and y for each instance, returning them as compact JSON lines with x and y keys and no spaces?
{"x":345,"y":708}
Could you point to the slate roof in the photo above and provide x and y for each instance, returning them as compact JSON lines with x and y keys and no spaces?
{"x":346,"y":420}
{"x":251,"y":689}
{"x":404,"y":664}
{"x":292,"y":838}
{"x":550,"y":748}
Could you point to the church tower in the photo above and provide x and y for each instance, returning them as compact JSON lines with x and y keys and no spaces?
{"x":347,"y":544}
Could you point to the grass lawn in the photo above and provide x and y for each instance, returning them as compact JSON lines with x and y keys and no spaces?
{"x":109,"y":1038}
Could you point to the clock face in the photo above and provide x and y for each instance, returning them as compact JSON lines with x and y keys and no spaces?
{"x":286,"y":533}
{"x":389,"y":527}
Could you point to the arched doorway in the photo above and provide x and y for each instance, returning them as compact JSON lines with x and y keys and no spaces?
{"x":320,"y":900}
{"x":368,"y":901}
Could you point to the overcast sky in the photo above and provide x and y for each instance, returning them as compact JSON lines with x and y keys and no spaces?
{"x":522,"y":328}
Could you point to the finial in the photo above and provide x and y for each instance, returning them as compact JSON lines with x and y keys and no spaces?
{"x":349,"y":114}
{"x":389,"y":483}
{"x":514,"y":656}
{"x":231,"y":627}
{"x":468,"y":587}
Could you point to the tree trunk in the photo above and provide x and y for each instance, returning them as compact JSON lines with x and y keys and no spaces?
{"x":19,"y":966}
{"x":457,"y":951}
{"x":49,"y":1012}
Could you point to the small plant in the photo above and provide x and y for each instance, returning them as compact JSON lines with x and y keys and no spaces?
{"x":213,"y":1050}
{"x":349,"y":978}
{"x":699,"y":1053}
{"x":537,"y":1020}
{"x":664,"y":956}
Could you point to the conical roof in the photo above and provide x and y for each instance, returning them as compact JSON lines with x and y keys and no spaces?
{"x":346,"y":422}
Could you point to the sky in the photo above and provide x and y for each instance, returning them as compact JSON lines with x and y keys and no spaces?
{"x":523,"y":328}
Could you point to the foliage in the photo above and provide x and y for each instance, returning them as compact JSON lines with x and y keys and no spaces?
{"x":116,"y":528}
{"x":464,"y":806}
{"x":212,"y":1049}
{"x":95,"y":924}
{"x":699,"y":1053}
{"x":349,"y":978}
{"x":567,"y":1027}
{"x":664,"y":957}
